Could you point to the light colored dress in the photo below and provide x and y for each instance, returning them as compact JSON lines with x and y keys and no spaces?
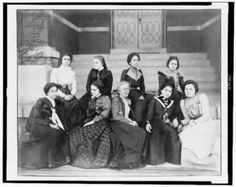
{"x":64,"y":76}
{"x":200,"y":139}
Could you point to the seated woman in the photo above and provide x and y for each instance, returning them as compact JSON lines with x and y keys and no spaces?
{"x":173,"y":74}
{"x":127,"y":139}
{"x":64,"y":77}
{"x":163,"y":143}
{"x":90,"y":144}
{"x":137,"y":95}
{"x":200,"y":134}
{"x":98,"y":72}
{"x":48,"y":143}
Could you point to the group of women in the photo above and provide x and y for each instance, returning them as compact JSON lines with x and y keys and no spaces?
{"x":122,"y":129}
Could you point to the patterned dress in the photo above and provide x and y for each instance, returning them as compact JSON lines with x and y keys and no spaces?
{"x":200,"y":139}
{"x":90,"y":145}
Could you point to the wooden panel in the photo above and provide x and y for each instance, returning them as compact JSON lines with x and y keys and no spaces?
{"x":125,"y":29}
{"x":150,"y":28}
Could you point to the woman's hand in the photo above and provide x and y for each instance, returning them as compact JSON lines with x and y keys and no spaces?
{"x":134,"y":123}
{"x":185,"y":121}
{"x":141,"y":97}
{"x":148,"y":127}
{"x":54,"y":126}
{"x":88,"y":123}
{"x":175,"y":123}
{"x":68,"y":97}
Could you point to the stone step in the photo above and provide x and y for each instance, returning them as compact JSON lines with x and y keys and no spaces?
{"x":153,"y":70}
{"x":148,"y":50}
{"x":144,"y":63}
{"x":123,"y":56}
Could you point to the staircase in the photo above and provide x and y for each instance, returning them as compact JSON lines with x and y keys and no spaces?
{"x":194,"y":66}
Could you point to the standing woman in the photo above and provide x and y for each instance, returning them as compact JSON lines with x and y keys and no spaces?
{"x":172,"y":74}
{"x":127,"y":139}
{"x":64,"y":77}
{"x":98,"y":72}
{"x":134,"y":76}
{"x":163,"y":144}
{"x":90,"y":144}
{"x":200,"y":134}
{"x":48,"y":143}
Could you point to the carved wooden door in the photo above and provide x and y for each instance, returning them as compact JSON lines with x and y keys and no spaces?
{"x":150,"y":29}
{"x":141,"y":29}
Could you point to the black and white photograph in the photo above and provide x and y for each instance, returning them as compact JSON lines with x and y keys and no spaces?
{"x":123,"y":92}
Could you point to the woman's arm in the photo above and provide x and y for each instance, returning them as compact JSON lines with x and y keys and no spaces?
{"x":103,"y":109}
{"x":186,"y":119}
{"x":109,"y":82}
{"x":161,"y":78}
{"x":204,"y":102}
{"x":123,"y":75}
{"x":142,"y":86}
{"x":151,"y":110}
{"x":73,"y":90}
{"x":89,"y":80}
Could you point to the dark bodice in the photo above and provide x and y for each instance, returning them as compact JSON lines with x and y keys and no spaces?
{"x":105,"y":76}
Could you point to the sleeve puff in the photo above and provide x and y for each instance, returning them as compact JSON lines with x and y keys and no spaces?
{"x":103,"y":108}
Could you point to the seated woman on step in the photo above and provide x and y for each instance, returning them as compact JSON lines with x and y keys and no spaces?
{"x":173,"y":74}
{"x":48,"y":144}
{"x":64,"y":77}
{"x":137,"y":95}
{"x":90,"y":144}
{"x":199,"y":134}
{"x":162,"y":143}
{"x":98,"y":72}
{"x":127,"y":139}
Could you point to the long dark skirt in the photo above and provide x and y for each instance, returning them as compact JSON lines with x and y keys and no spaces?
{"x":47,"y":147}
{"x":162,"y":144}
{"x":139,"y":106}
{"x":75,"y":112}
{"x":90,"y":145}
{"x":127,"y":143}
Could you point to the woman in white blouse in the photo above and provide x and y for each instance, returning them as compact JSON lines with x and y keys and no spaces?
{"x":65,"y":78}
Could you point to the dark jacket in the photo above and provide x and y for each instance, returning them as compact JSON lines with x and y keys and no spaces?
{"x":105,"y":76}
{"x":118,"y":110}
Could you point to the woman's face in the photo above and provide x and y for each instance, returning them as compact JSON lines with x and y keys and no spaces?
{"x":189,"y":90}
{"x":124,"y":90}
{"x":173,"y":65}
{"x":52,"y":92}
{"x":135,"y":62}
{"x":94,"y":91}
{"x":166,"y":92}
{"x":65,"y":61}
{"x":97,"y":64}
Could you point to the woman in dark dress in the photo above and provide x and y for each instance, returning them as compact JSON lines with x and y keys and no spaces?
{"x":172,"y":74}
{"x":139,"y":98}
{"x":90,"y":144}
{"x":65,"y":78}
{"x":98,"y":72}
{"x":48,"y":144}
{"x":127,"y":139}
{"x":163,"y":143}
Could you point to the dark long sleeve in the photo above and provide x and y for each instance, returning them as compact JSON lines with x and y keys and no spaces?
{"x":108,"y":83}
{"x":142,"y":86}
{"x":151,"y":110}
{"x":161,"y":79}
{"x":123,"y":76}
{"x":89,"y":81}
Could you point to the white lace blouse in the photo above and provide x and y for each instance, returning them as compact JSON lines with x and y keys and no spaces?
{"x":64,"y":76}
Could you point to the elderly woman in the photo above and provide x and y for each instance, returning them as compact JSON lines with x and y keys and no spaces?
{"x":163,"y":143}
{"x":64,"y":77}
{"x":199,"y":134}
{"x":137,"y":95}
{"x":90,"y":144}
{"x":172,"y":74}
{"x":127,"y":138}
{"x":48,"y":143}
